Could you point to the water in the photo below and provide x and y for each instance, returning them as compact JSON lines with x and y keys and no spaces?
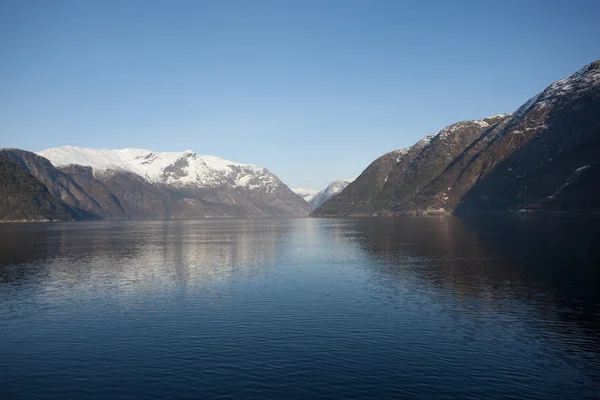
{"x":431,"y":308}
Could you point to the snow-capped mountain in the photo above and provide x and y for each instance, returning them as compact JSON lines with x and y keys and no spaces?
{"x":136,"y":183}
{"x":331,"y":190}
{"x":544,"y":156}
{"x":184,"y":169}
{"x":306,"y":194}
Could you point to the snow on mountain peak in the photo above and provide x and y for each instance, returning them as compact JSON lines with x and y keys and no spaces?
{"x":400,"y":153}
{"x":576,"y":84}
{"x":482,"y":123}
{"x":331,"y":190}
{"x":172,"y":168}
{"x":306,"y":194}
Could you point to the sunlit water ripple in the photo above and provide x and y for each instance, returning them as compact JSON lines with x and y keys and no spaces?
{"x":431,"y":308}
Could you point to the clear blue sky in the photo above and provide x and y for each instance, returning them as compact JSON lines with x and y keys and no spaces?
{"x":313,"y":90}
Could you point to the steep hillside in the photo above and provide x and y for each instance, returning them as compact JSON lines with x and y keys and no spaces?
{"x":397,"y":177}
{"x":405,"y":182}
{"x":59,"y":184}
{"x":530,"y":156}
{"x":137,"y":183}
{"x":359,"y":196}
{"x":24,"y":198}
{"x":541,"y":157}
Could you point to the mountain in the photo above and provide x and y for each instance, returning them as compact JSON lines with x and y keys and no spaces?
{"x":331,"y":190}
{"x":544,"y":156}
{"x":545,"y":146}
{"x":141,"y":184}
{"x":358,"y":196}
{"x":306,"y":194}
{"x":150,"y":184}
{"x":60,"y":184}
{"x":25,"y":198}
{"x":317,"y":197}
{"x":400,"y":174}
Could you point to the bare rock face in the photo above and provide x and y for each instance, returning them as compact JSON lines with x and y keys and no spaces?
{"x":25,"y":198}
{"x":542,"y":157}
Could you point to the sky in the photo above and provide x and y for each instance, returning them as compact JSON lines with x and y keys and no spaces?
{"x":312,"y":90}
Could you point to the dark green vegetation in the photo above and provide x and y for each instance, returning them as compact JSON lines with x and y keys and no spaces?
{"x":543,"y":157}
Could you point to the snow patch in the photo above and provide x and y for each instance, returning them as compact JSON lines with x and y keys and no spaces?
{"x":577,"y":84}
{"x":498,"y":116}
{"x":306,"y":194}
{"x":331,"y":190}
{"x":523,"y":109}
{"x":482,"y":123}
{"x":400,"y":153}
{"x":181,"y":169}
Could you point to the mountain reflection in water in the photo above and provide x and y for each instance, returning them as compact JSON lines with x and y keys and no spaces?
{"x":430,"y":307}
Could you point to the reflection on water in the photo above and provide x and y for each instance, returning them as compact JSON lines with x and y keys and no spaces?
{"x":501,"y":267}
{"x":431,"y":307}
{"x":178,"y":253}
{"x":534,"y":260}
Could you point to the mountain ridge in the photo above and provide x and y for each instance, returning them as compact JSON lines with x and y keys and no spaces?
{"x":177,"y":185}
{"x":171,"y":168}
{"x":543,"y":157}
{"x":509,"y":164}
{"x":331,"y":190}
{"x":23,"y":198}
{"x":306,"y":194}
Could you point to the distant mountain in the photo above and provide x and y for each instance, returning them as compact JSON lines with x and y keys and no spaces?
{"x":306,"y":194}
{"x":331,"y":190}
{"x":317,"y":197}
{"x":151,"y":184}
{"x":136,"y":183}
{"x":544,"y":156}
{"x":25,"y":198}
{"x":183,"y":170}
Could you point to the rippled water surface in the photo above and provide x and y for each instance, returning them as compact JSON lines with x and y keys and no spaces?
{"x":431,"y":308}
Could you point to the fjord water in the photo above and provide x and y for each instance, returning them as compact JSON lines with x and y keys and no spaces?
{"x":431,"y":307}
